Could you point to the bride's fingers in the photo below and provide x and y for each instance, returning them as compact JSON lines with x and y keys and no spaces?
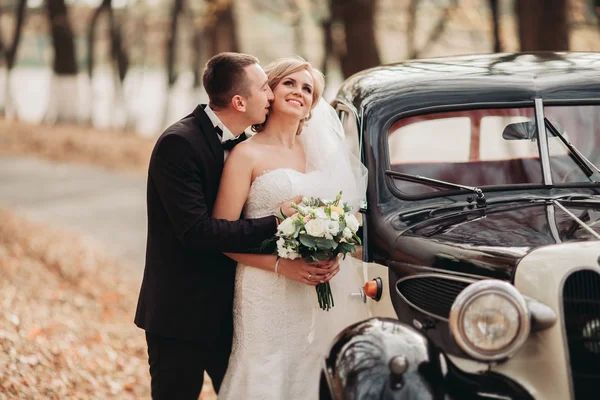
{"x":333,"y":273}
{"x":309,"y":282}
{"x":318,"y":272}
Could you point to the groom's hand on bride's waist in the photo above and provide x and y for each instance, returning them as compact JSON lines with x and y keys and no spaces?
{"x":309,"y":273}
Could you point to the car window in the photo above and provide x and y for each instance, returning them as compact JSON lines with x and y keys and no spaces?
{"x":580,"y":124}
{"x":434,"y":140}
{"x":475,"y":147}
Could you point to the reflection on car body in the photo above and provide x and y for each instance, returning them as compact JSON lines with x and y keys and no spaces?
{"x":483,"y":224}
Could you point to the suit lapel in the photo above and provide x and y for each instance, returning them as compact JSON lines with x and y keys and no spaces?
{"x":208,"y":130}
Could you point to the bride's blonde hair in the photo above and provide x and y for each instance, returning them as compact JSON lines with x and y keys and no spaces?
{"x":282,"y":67}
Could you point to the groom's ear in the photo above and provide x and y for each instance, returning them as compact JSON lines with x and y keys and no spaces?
{"x":238,"y":103}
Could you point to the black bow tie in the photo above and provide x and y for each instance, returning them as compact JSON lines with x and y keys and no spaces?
{"x":229,"y":144}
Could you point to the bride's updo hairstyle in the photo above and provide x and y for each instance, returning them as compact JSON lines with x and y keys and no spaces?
{"x":282,"y":67}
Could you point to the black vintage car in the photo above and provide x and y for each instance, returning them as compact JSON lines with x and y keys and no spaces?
{"x":481,"y":230}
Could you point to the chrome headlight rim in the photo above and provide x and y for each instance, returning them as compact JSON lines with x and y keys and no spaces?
{"x":475,"y":291}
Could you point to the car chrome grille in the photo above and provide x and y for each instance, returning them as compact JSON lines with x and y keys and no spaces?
{"x":432,"y":295}
{"x":581,"y":298}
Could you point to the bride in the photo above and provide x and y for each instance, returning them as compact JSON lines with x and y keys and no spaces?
{"x":280,"y":333}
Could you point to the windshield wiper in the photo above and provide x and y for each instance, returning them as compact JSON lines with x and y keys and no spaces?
{"x":583,"y":163}
{"x":480,"y":199}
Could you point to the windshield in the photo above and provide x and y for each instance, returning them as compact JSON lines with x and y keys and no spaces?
{"x":489,"y":147}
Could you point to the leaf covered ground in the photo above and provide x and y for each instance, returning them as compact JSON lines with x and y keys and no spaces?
{"x":66,"y":312}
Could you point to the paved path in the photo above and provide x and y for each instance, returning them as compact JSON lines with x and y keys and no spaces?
{"x":106,"y":206}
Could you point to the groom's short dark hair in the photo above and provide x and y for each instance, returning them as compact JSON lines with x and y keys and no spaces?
{"x":224,"y":77}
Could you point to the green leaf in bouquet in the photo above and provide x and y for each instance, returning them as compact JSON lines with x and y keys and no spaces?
{"x":326,"y":244}
{"x":307,"y":241}
{"x":268,"y":243}
{"x":355,"y":237}
{"x":338,"y":198}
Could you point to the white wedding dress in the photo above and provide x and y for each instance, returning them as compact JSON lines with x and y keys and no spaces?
{"x":280,"y":333}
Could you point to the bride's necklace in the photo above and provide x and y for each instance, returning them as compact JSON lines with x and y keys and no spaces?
{"x":289,"y":146}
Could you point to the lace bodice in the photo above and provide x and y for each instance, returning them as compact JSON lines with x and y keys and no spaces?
{"x":274,"y":187}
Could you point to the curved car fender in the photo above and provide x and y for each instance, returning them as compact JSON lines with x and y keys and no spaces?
{"x":384,"y":359}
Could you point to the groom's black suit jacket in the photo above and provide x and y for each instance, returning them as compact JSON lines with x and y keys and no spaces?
{"x":187,"y":289}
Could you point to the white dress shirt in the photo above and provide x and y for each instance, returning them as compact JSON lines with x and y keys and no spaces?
{"x":227,"y":135}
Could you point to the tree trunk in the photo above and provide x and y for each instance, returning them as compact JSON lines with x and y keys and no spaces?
{"x":327,"y":44}
{"x":176,"y":10}
{"x":197,"y":56}
{"x":10,"y":56}
{"x":543,"y":25}
{"x":65,"y":62}
{"x":358,"y":17}
{"x":411,"y":28}
{"x":437,"y":31}
{"x":91,"y":37}
{"x":496,"y":25}
{"x":222,"y":33}
{"x":64,"y":87}
{"x":172,"y":42}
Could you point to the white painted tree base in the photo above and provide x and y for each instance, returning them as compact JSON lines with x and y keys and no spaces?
{"x":64,"y":100}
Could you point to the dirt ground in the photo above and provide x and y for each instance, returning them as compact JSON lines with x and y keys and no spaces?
{"x":119,"y":151}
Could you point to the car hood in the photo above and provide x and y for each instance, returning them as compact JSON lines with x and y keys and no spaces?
{"x":490,"y":241}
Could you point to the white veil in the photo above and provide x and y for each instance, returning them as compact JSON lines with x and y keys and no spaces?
{"x":326,"y":150}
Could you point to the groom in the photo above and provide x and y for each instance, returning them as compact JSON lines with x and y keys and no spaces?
{"x":186,"y":299}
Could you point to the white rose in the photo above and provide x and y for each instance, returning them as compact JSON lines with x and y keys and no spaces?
{"x":352,"y":222}
{"x":315,"y":228}
{"x":320,"y":213}
{"x":333,"y":227}
{"x":335,"y":216}
{"x":287,"y":227}
{"x":347,"y":233}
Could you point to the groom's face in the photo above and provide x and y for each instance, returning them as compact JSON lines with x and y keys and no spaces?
{"x":259,"y":100}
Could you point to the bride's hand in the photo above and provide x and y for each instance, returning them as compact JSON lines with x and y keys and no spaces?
{"x":309,"y":273}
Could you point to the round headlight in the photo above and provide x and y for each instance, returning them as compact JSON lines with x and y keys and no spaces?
{"x":490,"y":320}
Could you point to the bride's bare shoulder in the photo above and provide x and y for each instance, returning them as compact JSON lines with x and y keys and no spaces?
{"x":246,"y":152}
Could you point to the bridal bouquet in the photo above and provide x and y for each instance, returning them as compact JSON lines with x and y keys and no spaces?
{"x":318,"y":230}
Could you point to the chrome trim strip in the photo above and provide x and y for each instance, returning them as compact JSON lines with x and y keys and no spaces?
{"x":450,"y":273}
{"x":580,"y":222}
{"x":543,"y":141}
{"x":551,"y":215}
{"x":434,"y":275}
{"x":423,"y":276}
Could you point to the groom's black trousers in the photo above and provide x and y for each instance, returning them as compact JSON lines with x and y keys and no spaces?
{"x":177,"y":366}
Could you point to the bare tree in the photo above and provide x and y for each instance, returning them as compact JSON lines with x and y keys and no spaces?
{"x":436,"y":33}
{"x":358,"y":18}
{"x":220,"y":27}
{"x":171,"y":51}
{"x":118,"y":54}
{"x":411,"y":28}
{"x":543,"y":24}
{"x":496,"y":25}
{"x":64,"y":99}
{"x":289,"y":11}
{"x":9,"y":54}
